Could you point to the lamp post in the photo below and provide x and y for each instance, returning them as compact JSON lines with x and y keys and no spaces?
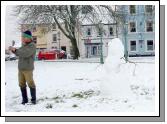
{"x":100,"y":26}
{"x":59,"y":38}
{"x":125,"y":45}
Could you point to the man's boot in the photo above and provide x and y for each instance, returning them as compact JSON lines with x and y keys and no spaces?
{"x":24,"y":95}
{"x":33,"y":95}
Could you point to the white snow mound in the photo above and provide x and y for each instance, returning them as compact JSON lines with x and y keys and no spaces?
{"x":115,"y":77}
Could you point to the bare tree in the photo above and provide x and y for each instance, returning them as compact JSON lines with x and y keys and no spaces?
{"x":69,"y":16}
{"x":62,"y":15}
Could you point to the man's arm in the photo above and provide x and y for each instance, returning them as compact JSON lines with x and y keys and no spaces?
{"x":12,"y":49}
{"x":26,"y":51}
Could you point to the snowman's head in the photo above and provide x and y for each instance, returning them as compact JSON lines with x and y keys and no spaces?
{"x":115,"y":48}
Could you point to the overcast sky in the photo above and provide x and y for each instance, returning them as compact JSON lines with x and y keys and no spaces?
{"x":11,"y":28}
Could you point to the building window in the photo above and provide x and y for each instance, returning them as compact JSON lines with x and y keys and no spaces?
{"x":63,"y":48}
{"x":55,"y":38}
{"x":150,"y":45}
{"x":34,"y":38}
{"x":132,"y":27}
{"x":53,"y":26}
{"x":94,"y":50}
{"x":132,"y":9}
{"x":99,"y":50}
{"x":34,"y":29}
{"x":88,"y":32}
{"x":149,"y":26}
{"x":54,"y":47}
{"x":133,"y":45}
{"x":111,"y":31}
{"x":148,"y":8}
{"x":99,"y":33}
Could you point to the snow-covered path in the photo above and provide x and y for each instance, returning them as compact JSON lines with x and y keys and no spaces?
{"x":76,"y":87}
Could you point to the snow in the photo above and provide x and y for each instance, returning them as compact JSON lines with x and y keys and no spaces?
{"x":116,"y":74}
{"x":12,"y":31}
{"x":115,"y":86}
{"x":17,"y":44}
{"x":115,"y":52}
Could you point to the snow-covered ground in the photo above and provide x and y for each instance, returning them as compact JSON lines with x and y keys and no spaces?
{"x":115,"y":86}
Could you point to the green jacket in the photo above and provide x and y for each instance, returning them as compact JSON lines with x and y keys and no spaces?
{"x":26,"y":55}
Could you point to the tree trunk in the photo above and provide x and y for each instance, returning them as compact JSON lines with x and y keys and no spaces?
{"x":75,"y":49}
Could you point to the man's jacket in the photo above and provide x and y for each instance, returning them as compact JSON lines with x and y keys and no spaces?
{"x":26,"y":55}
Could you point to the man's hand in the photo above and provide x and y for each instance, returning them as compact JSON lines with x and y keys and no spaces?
{"x":12,"y":49}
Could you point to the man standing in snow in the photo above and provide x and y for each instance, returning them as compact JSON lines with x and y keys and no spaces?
{"x":26,"y":55}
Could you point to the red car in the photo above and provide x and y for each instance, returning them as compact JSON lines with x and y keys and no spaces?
{"x":51,"y":55}
{"x":46,"y":55}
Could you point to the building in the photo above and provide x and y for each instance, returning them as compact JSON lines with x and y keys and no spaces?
{"x":91,"y":39}
{"x":137,"y":34}
{"x":139,"y":31}
{"x":48,"y":39}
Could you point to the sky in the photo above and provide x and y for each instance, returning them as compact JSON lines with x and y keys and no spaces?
{"x":11,"y":27}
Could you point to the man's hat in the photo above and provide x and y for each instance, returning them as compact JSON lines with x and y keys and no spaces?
{"x":27,"y":34}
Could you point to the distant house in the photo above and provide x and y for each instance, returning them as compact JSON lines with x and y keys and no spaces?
{"x":87,"y":35}
{"x":140,"y":29}
{"x":138,"y":33}
{"x":44,"y":39}
{"x":91,"y":39}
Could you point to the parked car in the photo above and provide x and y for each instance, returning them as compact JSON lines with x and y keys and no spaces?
{"x":61,"y":54}
{"x":13,"y":58}
{"x":52,"y":54}
{"x":10,"y":57}
{"x":46,"y":55}
{"x":7,"y":57}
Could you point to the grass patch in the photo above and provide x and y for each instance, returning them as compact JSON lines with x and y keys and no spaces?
{"x":55,"y":98}
{"x":78,"y":95}
{"x":84,"y":94}
{"x":75,"y":106}
{"x":49,"y":106}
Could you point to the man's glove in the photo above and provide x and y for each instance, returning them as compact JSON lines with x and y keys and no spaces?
{"x":13,"y":49}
